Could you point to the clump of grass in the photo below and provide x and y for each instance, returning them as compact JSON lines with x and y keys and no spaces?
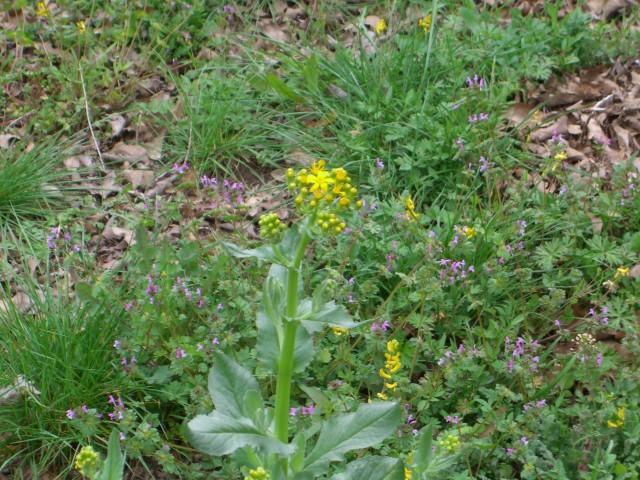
{"x":32,"y":185}
{"x":62,"y":349}
{"x":226,"y":125}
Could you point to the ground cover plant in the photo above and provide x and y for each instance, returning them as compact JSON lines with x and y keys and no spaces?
{"x":341,"y":240}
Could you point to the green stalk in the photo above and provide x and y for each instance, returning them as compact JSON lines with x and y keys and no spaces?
{"x":285,"y":365}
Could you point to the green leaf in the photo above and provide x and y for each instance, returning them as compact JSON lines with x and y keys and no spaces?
{"x":369,"y":425}
{"x":423,"y":452}
{"x":264,"y":252}
{"x":372,"y":468}
{"x":310,"y":73}
{"x":229,"y":384}
{"x":218,"y":434}
{"x":330,"y":314}
{"x":297,"y":459}
{"x":84,"y":292}
{"x":269,"y":344}
{"x":114,"y":463}
{"x":282,"y":88}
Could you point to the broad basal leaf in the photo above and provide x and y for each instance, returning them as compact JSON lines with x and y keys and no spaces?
{"x":372,"y":468}
{"x":369,"y":425}
{"x":228,"y":386}
{"x":113,"y":466}
{"x":218,"y":434}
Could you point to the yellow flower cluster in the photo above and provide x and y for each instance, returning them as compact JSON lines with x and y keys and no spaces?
{"x":425,"y":23}
{"x":450,"y":442}
{"x":327,"y":192}
{"x":87,"y":461}
{"x":622,"y":272}
{"x":467,"y":232}
{"x":270,"y":226}
{"x":81,"y":26}
{"x":618,"y":421}
{"x":380,"y":27}
{"x":42,"y":10}
{"x":391,"y":366}
{"x":257,"y":474}
{"x":410,"y":210}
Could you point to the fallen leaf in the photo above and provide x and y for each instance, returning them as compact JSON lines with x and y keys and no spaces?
{"x":559,"y":127}
{"x":123,"y":152}
{"x":139,"y":178}
{"x":118,"y":123}
{"x":7,"y":139}
{"x":111,"y":233}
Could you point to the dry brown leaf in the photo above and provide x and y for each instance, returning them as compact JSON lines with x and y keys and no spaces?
{"x":595,"y":131}
{"x":139,"y":178}
{"x":118,"y":123}
{"x":111,"y":233}
{"x":108,"y":186}
{"x":7,"y":139}
{"x":518,"y":112}
{"x":154,"y":147}
{"x":558,"y":127}
{"x":275,"y":32}
{"x":123,"y":152}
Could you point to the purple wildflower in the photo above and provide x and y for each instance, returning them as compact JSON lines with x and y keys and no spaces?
{"x":180,"y":353}
{"x":71,"y":414}
{"x":379,"y":164}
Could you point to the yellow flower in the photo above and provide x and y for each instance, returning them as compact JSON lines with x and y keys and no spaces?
{"x":391,"y":366}
{"x":319,"y":179}
{"x":621,"y":272}
{"x":81,"y":26}
{"x":408,"y":474}
{"x":382,"y":396}
{"x":425,"y":23}
{"x":338,"y":331}
{"x":468,"y":232}
{"x":380,"y":27}
{"x":560,"y":156}
{"x":618,"y":421}
{"x":410,"y":210}
{"x":42,"y":10}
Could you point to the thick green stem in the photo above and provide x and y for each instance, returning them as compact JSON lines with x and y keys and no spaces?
{"x":285,"y":365}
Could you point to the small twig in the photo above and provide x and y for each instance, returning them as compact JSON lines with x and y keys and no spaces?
{"x":86,"y":109}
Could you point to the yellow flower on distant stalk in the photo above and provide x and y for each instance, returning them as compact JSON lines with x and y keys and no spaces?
{"x":380,"y":27}
{"x":410,"y":210}
{"x":618,"y":421}
{"x":42,"y":10}
{"x":621,"y":272}
{"x":425,"y":23}
{"x":560,"y":156}
{"x":408,"y":474}
{"x":468,"y":232}
{"x":81,"y":26}
{"x":391,"y":366}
